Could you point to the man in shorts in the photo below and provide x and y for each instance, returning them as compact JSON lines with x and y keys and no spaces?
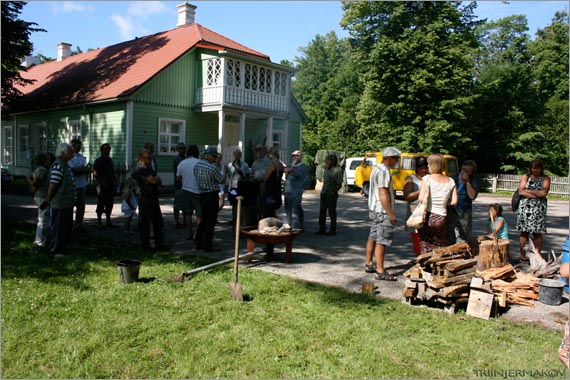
{"x":381,"y":212}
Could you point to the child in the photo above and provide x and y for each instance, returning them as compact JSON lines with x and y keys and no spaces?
{"x":497,"y":225}
{"x":129,"y":204}
{"x":39,"y":180}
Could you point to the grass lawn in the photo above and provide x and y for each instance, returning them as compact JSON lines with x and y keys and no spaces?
{"x":72,"y":318}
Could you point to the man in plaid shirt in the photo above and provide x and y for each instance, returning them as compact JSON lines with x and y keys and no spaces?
{"x":209,"y":179}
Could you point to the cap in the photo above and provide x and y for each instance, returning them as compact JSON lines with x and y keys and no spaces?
{"x":391,"y":152}
{"x":211,"y":150}
{"x":297,"y":153}
{"x":259,"y":146}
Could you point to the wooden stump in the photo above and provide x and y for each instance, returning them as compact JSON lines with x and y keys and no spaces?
{"x":493,"y":254}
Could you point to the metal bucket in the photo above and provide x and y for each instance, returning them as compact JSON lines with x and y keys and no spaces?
{"x":550,"y":291}
{"x":128,"y":271}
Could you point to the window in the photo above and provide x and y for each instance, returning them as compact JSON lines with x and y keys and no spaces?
{"x":23,"y":138}
{"x":233,"y":73}
{"x":41,"y":138}
{"x":74,"y":130}
{"x":170,"y":133}
{"x":214,"y":72}
{"x":8,"y":156}
{"x":247,"y":84}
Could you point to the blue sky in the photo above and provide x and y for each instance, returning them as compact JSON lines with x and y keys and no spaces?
{"x":275,"y":28}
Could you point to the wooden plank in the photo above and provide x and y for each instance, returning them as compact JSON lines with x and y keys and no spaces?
{"x":462,"y":264}
{"x":480,"y":304}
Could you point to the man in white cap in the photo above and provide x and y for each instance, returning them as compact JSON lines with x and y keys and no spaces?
{"x":294,"y":186}
{"x":381,"y":212}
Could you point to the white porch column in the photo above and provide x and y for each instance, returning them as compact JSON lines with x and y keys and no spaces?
{"x":129,"y":135}
{"x":269,"y":131}
{"x":286,"y":146}
{"x":242,"y":132}
{"x":221,"y":120}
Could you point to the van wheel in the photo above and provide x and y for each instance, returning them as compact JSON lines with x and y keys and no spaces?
{"x":366,"y":189}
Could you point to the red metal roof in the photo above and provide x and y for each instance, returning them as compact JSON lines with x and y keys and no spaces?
{"x":117,"y":70}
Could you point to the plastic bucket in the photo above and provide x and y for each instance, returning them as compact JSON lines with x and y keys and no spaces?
{"x":128,"y":271}
{"x":416,"y":242}
{"x":566,"y":259}
{"x":550,"y":291}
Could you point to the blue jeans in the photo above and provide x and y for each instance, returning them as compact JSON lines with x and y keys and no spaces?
{"x":293,"y":205}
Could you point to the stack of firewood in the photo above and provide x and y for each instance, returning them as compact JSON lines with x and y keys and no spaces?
{"x":442,"y":275}
{"x":510,"y":286}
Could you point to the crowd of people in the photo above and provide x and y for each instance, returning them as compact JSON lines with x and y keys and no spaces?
{"x":202,"y":185}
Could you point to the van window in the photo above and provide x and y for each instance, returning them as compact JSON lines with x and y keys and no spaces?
{"x":451,"y":166}
{"x":356,"y":163}
{"x":408,"y":163}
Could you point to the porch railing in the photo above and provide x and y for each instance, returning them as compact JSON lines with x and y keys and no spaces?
{"x":241,"y":97}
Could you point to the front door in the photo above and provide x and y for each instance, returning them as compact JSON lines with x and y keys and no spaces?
{"x":231,"y":141}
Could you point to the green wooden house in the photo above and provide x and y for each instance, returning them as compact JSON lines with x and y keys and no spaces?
{"x":189,"y":84}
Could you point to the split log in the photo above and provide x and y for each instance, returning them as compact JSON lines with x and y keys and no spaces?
{"x":493,"y":254}
{"x":462,"y":264}
{"x":506,"y":271}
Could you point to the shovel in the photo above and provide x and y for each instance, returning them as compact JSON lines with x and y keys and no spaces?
{"x":235,"y":288}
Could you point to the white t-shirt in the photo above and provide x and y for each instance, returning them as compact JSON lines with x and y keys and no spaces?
{"x":380,"y":177}
{"x":186,"y":171}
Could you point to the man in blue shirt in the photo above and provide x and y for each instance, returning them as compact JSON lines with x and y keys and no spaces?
{"x":80,"y":169}
{"x":294,"y":187}
{"x":209,"y":179}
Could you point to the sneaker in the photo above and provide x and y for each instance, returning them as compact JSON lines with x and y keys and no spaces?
{"x":370,"y":268}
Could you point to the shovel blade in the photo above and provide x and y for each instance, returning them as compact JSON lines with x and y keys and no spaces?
{"x":236,"y":290}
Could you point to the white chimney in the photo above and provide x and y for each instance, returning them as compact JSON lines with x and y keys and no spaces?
{"x":186,"y":13}
{"x":30,"y":60}
{"x":63,"y":51}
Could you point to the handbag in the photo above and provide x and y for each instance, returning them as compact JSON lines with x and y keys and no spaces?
{"x":418,"y":217}
{"x":515,"y":201}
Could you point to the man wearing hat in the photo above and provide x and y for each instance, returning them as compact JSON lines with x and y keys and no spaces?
{"x":381,"y":212}
{"x":333,"y":177}
{"x":294,"y":186}
{"x":209,"y":179}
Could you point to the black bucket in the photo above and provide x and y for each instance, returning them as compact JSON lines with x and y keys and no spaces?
{"x":128,"y":271}
{"x":550,"y":291}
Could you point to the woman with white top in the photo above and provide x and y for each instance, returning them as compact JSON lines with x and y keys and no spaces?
{"x":442,"y":192}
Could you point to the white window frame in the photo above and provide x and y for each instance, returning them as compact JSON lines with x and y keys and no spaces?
{"x":41,"y":137}
{"x":277,"y":142}
{"x":172,"y":139}
{"x":23,"y":138}
{"x":8,"y":145}
{"x":74,"y":130}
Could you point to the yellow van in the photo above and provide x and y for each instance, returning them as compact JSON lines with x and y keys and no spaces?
{"x":403,"y":169}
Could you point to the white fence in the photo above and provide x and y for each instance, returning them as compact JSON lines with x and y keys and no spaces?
{"x":510,"y":182}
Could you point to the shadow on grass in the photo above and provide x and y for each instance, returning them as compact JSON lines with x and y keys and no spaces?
{"x":21,"y":259}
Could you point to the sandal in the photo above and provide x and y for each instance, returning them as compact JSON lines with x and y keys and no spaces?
{"x":385,"y":276}
{"x":370,"y":268}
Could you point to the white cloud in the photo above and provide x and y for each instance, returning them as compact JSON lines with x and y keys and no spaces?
{"x":131,"y":25}
{"x":69,"y":7}
{"x":144,"y":9}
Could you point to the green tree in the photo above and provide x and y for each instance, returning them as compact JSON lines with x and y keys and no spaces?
{"x":15,"y":45}
{"x":417,"y":87}
{"x":550,"y":69}
{"x":318,"y":86}
{"x":508,"y":108}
